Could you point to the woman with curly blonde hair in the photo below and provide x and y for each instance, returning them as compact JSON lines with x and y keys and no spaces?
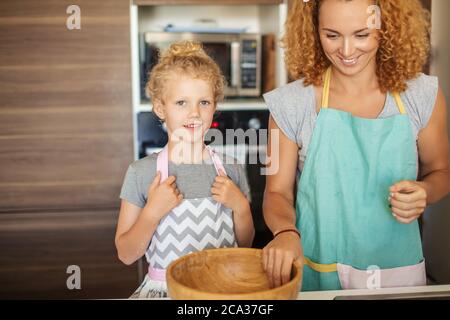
{"x":362,"y":138}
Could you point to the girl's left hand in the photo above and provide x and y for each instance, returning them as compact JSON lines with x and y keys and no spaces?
{"x":225,"y":191}
{"x":408,"y":200}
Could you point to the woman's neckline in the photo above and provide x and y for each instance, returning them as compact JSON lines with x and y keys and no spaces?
{"x":316,"y":112}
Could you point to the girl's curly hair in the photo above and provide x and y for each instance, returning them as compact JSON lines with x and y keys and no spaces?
{"x":185,"y":57}
{"x":403,"y":50}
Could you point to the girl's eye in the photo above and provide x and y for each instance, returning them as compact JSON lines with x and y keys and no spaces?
{"x":181,"y":103}
{"x":205,"y":103}
{"x":362,"y":36}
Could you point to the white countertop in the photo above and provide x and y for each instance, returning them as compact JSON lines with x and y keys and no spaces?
{"x":330,"y":295}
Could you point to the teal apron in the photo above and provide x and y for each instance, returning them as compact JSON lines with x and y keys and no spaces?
{"x":350,"y":238}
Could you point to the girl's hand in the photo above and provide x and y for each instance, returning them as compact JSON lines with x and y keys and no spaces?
{"x":279,"y":255}
{"x":162,"y":198}
{"x":408,"y":200}
{"x":226,"y":192}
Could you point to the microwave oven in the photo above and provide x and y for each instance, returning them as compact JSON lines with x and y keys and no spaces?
{"x":238,"y":56}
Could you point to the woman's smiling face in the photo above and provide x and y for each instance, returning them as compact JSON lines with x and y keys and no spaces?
{"x":346,"y":35}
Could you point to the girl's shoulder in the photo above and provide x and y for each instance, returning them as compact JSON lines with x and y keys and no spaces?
{"x":145,"y":163}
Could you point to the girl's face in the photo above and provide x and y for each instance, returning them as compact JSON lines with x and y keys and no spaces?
{"x":187,"y":108}
{"x":348,"y":37}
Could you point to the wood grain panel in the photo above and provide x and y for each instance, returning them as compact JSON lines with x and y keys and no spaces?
{"x":52,"y":44}
{"x":44,"y":122}
{"x":63,"y":171}
{"x":65,"y":104}
{"x":37,"y":248}
{"x":74,"y":85}
{"x":205,"y":2}
{"x":57,"y":8}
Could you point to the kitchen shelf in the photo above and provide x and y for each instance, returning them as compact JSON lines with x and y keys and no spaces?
{"x":230,"y":105}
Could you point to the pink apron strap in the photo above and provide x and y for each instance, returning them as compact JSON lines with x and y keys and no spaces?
{"x":162,"y":163}
{"x":157,"y":274}
{"x":216,"y":160}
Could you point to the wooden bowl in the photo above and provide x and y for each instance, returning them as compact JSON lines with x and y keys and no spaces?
{"x":227,"y":274}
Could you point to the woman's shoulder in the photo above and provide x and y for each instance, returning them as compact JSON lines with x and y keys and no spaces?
{"x":292,"y":92}
{"x":421,"y":95}
{"x":290,"y":105}
{"x":423,"y":84}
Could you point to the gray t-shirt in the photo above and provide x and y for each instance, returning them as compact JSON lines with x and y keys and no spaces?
{"x":193,"y":180}
{"x":293,"y":108}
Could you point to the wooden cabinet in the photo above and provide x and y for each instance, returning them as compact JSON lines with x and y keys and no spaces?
{"x":65,"y":104}
{"x":204,"y":2}
{"x":38,"y":248}
{"x":66,"y":139}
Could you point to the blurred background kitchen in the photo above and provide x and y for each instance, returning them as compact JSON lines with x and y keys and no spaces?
{"x":74,"y":115}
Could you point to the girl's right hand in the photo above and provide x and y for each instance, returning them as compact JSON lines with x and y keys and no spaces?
{"x":279,"y":255}
{"x":162,"y":198}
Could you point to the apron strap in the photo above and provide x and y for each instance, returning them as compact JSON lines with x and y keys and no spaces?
{"x":216,"y":160}
{"x":326,"y":94}
{"x":399,"y":102}
{"x":326,"y":88}
{"x":157,"y":274}
{"x":318,"y":267}
{"x":162,"y":162}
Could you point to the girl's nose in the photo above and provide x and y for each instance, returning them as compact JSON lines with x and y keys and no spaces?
{"x":195,"y":110}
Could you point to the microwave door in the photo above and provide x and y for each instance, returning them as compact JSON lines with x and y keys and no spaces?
{"x":235,"y":66}
{"x":224,"y":54}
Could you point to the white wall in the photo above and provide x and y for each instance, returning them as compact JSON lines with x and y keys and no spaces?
{"x":437,"y":218}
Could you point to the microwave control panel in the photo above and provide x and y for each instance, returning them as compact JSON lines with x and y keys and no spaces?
{"x":249,"y":56}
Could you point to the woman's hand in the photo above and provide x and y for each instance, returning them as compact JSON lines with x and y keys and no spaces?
{"x":279,"y":255}
{"x":408,"y":200}
{"x":162,"y":198}
{"x":225,"y":191}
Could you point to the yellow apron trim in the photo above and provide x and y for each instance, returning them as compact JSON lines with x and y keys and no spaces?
{"x":326,"y":88}
{"x":326,"y":94}
{"x":320,"y":267}
{"x":400,"y":105}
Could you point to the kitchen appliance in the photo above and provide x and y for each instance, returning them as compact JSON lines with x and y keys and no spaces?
{"x":152,"y":137}
{"x":237,"y":54}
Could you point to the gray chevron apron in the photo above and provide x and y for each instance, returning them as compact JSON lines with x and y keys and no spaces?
{"x":194,"y":225}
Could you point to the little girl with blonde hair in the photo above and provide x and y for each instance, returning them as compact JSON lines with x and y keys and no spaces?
{"x":184,"y":198}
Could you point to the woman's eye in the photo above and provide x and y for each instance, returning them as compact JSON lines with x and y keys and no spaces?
{"x":362,"y":36}
{"x":332,"y":36}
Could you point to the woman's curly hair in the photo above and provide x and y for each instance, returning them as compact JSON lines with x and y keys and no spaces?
{"x":403,"y":51}
{"x":185,"y":57}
